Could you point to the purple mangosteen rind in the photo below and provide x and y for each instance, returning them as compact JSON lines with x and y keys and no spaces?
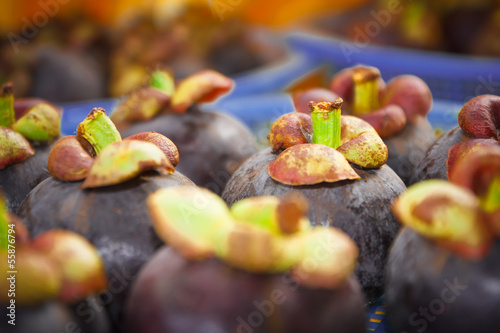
{"x":421,"y":275}
{"x":364,"y":214}
{"x":33,"y":169}
{"x":225,"y":299}
{"x":409,"y":147}
{"x":99,"y":214}
{"x":433,"y":165}
{"x":212,"y":145}
{"x":54,"y":316}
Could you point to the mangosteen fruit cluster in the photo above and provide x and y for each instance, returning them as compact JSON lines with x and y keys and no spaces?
{"x":98,"y":189}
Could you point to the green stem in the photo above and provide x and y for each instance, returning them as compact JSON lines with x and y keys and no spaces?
{"x":7,"y":115}
{"x":491,"y":201}
{"x":365,"y":90}
{"x":164,"y":81}
{"x":98,"y":130}
{"x":326,"y":122}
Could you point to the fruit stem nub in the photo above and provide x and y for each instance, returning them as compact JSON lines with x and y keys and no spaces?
{"x":7,"y":115}
{"x":326,"y":122}
{"x":98,"y":130}
{"x":365,"y":90}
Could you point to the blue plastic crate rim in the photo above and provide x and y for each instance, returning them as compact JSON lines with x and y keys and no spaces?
{"x":254,"y":111}
{"x":258,"y":97}
{"x":450,"y":77}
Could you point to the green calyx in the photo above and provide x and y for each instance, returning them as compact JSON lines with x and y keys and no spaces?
{"x":124,"y":160}
{"x":40,"y":123}
{"x":326,"y":122}
{"x":7,"y":115}
{"x":278,"y":216}
{"x":253,"y":235}
{"x":146,"y":102}
{"x":365,"y":90}
{"x":446,"y":213}
{"x":98,"y":130}
{"x":163,"y":80}
{"x":189,"y":219}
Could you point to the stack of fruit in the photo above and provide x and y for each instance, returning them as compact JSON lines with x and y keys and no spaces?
{"x":303,"y":236}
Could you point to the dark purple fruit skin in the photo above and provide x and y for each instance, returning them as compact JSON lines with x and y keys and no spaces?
{"x":211,"y":145}
{"x":115,"y":219}
{"x":55,"y":317}
{"x":17,"y":180}
{"x":433,"y":165}
{"x":360,"y":208}
{"x":174,"y":295}
{"x":407,"y":148}
{"x":419,"y":276}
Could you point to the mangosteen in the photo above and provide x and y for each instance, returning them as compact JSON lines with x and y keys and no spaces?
{"x":27,"y":129}
{"x":397,"y":110}
{"x":257,"y":267}
{"x":443,"y":273}
{"x":46,"y":281}
{"x":349,"y":187}
{"x":478,"y":126}
{"x":103,"y":198}
{"x":212,"y":145}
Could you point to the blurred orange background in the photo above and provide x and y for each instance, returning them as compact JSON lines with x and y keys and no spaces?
{"x":111,"y":12}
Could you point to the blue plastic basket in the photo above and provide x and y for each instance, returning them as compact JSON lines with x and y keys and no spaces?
{"x":450,"y":77}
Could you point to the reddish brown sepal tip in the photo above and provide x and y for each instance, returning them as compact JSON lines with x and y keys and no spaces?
{"x":68,"y":160}
{"x":308,"y":164}
{"x":165,"y":144}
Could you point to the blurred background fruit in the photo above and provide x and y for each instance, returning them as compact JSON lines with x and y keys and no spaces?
{"x":91,"y":49}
